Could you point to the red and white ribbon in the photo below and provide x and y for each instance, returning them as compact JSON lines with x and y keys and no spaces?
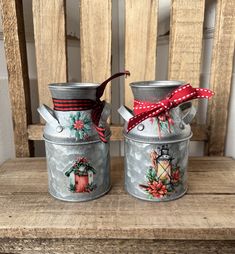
{"x":146,"y":109}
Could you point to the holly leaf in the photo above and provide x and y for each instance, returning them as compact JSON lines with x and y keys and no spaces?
{"x":87,"y":126}
{"x":77,"y":135}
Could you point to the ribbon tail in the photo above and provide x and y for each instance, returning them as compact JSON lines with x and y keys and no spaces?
{"x":101,"y":88}
{"x":95,"y":116}
{"x":204,"y":93}
{"x":101,"y":133}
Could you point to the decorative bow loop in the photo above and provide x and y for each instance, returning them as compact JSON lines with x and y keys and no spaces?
{"x":160,"y":109}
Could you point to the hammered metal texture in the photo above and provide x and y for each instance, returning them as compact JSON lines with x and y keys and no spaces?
{"x":61,"y":157}
{"x":137,"y":162}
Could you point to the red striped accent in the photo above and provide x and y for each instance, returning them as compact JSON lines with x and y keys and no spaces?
{"x":70,"y":109}
{"x":85,"y":104}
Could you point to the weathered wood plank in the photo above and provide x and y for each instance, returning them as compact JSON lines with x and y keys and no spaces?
{"x":50,"y":45}
{"x":84,"y":246}
{"x":29,"y":212}
{"x":35,"y":132}
{"x":221,"y":75}
{"x":18,"y":80}
{"x":140,"y":42}
{"x":95,"y":37}
{"x":186,"y":31}
{"x":199,"y":132}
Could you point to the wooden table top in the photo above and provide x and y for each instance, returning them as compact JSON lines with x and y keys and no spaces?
{"x":207,"y":211}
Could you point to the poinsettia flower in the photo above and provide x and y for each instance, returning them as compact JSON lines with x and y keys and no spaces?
{"x":83,"y":160}
{"x":80,"y":125}
{"x":176,"y":176}
{"x":157,"y":189}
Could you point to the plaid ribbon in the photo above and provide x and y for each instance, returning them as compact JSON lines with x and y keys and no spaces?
{"x":96,"y":106}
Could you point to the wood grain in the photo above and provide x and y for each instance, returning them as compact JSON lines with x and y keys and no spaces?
{"x":18,"y":80}
{"x":85,"y":246}
{"x":140,"y":42}
{"x":35,"y":132}
{"x":205,"y":213}
{"x":221,"y":75}
{"x":50,"y":45}
{"x":95,"y":37}
{"x":186,"y":31}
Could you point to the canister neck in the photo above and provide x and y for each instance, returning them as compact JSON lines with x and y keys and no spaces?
{"x":66,"y":91}
{"x":154,"y":91}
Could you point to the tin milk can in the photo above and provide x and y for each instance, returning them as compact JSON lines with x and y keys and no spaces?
{"x":77,"y":141}
{"x":157,"y":135}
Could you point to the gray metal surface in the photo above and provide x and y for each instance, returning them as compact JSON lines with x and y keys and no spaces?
{"x":156,"y":152}
{"x":73,"y":90}
{"x":68,"y":136}
{"x":138,"y":161}
{"x":154,"y":90}
{"x":150,"y":131}
{"x":77,"y":160}
{"x":61,"y":157}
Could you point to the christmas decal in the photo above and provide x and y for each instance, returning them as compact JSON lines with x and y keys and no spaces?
{"x":80,"y":125}
{"x":164,"y":122}
{"x":81,"y":176}
{"x":162,"y":176}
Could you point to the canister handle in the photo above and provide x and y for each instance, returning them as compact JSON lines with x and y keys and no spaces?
{"x":125,"y":112}
{"x":49,"y":116}
{"x":190,"y":114}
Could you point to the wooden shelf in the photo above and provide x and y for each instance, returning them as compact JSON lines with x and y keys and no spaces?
{"x":32,"y":221}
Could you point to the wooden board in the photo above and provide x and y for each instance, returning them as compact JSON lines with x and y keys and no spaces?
{"x":114,"y":246}
{"x":50,"y":45}
{"x":95,"y":37}
{"x":18,"y":80}
{"x":221,"y":75}
{"x":205,"y":213}
{"x":140,"y":42}
{"x":186,"y":32}
{"x":35,"y":132}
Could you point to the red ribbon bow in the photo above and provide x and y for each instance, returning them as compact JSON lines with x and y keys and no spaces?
{"x":145,"y":109}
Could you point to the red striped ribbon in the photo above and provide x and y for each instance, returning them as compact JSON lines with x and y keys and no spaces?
{"x":96,"y":106}
{"x":160,"y":109}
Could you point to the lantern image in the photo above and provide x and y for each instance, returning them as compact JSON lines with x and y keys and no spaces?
{"x":162,"y":176}
{"x":81,"y":176}
{"x":163,"y":164}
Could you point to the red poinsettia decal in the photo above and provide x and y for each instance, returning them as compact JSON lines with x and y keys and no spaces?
{"x":156,"y":189}
{"x":83,"y":160}
{"x":176,"y":175}
{"x":78,"y":124}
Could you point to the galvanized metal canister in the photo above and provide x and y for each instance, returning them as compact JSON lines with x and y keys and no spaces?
{"x":77,"y":158}
{"x":156,"y":150}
